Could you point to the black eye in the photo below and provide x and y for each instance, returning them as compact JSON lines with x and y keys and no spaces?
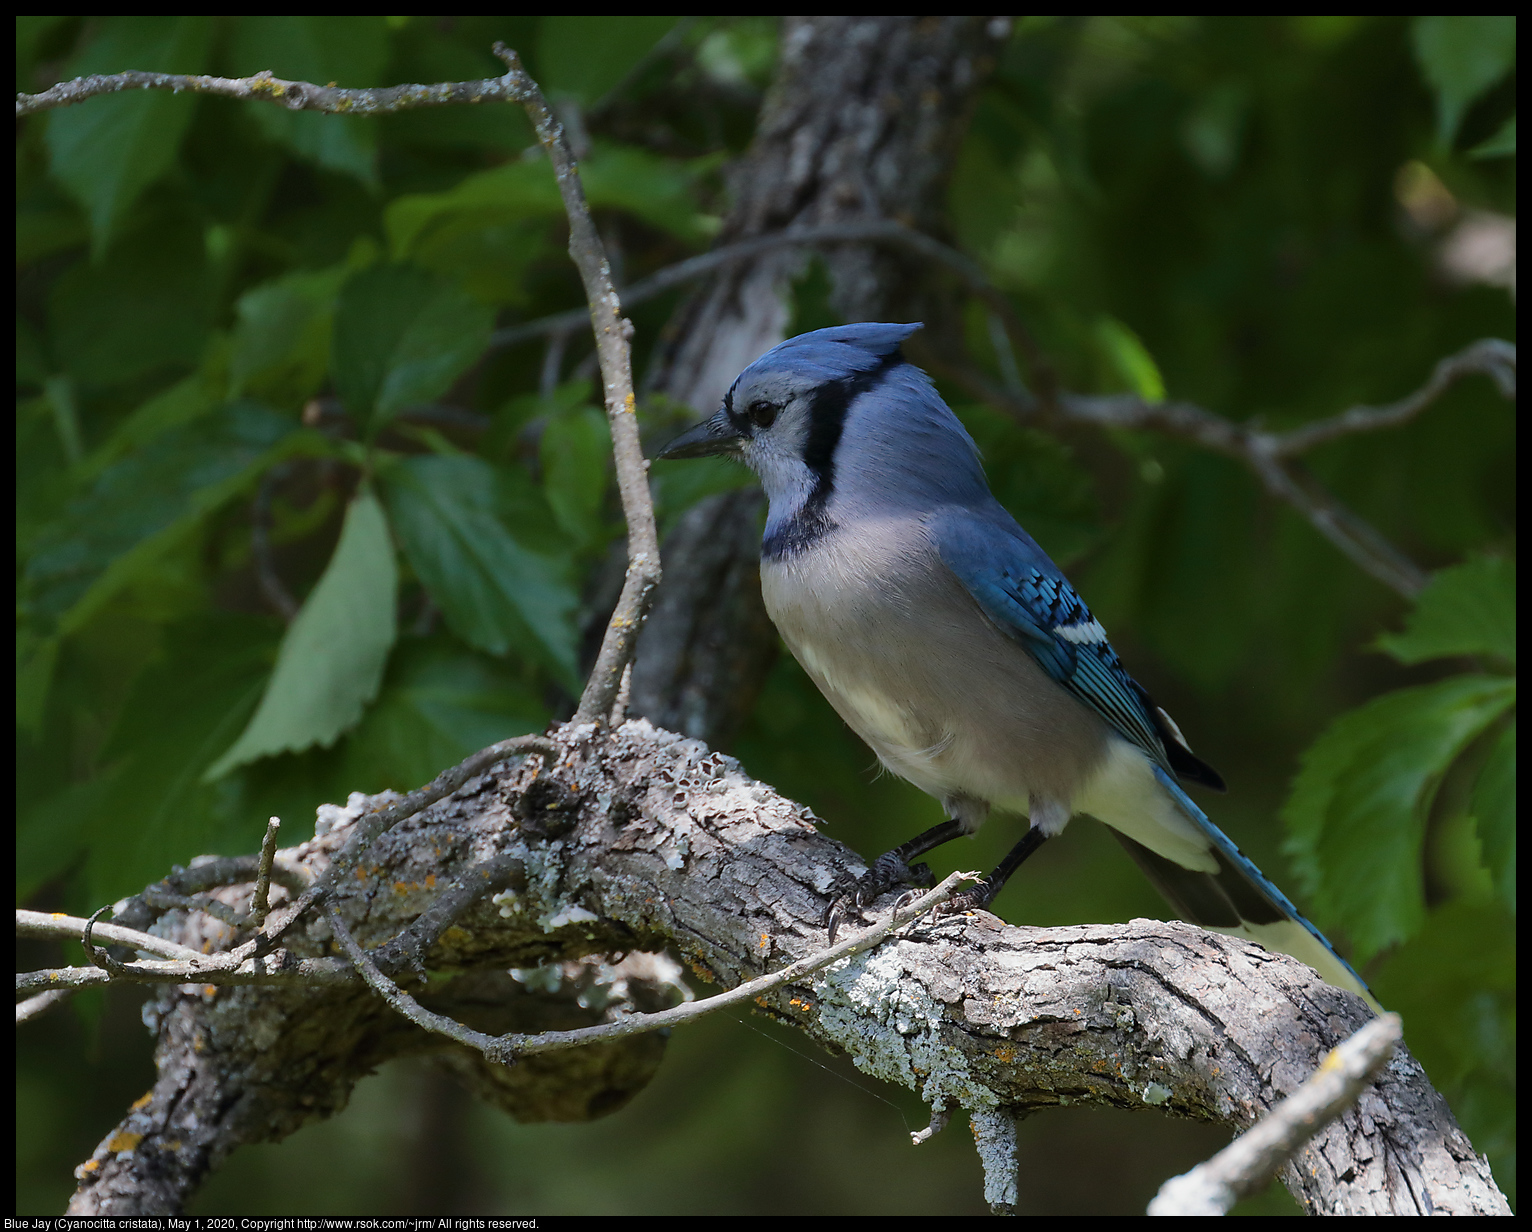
{"x":761,"y":414}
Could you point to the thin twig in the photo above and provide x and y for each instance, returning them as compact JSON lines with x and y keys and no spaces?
{"x":263,"y":87}
{"x":71,"y":927}
{"x":612,"y":335}
{"x":1248,"y":1163}
{"x":875,"y":231}
{"x":36,"y":1007}
{"x":1494,"y":357}
{"x":98,"y":958}
{"x":222,"y":912}
{"x":266,"y":575}
{"x":221,"y":969}
{"x":506,"y":1048}
{"x":259,"y":904}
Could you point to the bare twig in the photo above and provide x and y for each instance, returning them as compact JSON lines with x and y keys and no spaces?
{"x":220,"y":969}
{"x":1353,"y":535}
{"x":266,"y":575}
{"x":36,"y":1007}
{"x":263,"y":87}
{"x":612,"y":335}
{"x":1494,"y":357}
{"x":70,"y":927}
{"x":506,"y":1048}
{"x":1248,"y":1163}
{"x":259,"y":904}
{"x":881,"y":230}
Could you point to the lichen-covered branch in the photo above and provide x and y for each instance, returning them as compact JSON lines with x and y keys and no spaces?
{"x":633,"y":840}
{"x":263,"y":87}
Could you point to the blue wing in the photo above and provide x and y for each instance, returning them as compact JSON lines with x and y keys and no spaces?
{"x":1023,"y":592}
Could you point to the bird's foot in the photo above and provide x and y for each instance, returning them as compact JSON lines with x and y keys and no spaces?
{"x":850,"y":894}
{"x":977,"y":899}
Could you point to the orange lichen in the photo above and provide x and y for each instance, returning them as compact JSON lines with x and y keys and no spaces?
{"x":123,"y":1140}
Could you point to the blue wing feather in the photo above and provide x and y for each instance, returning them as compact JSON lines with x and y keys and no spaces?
{"x":1023,"y":592}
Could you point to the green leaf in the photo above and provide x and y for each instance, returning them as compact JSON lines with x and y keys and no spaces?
{"x":508,"y":193}
{"x":1462,"y":56}
{"x":401,"y":338}
{"x":1356,"y":816}
{"x":146,"y":505}
{"x":107,"y":150}
{"x":495,"y":594}
{"x":150,"y":809}
{"x":332,"y":659}
{"x":1494,"y":808}
{"x":1129,"y":359}
{"x":346,"y":51}
{"x":439,"y":703}
{"x":1502,"y":144}
{"x":53,"y":834}
{"x":575,"y":449}
{"x":178,"y":404}
{"x":282,"y":337}
{"x":36,"y":657}
{"x":145,"y":306}
{"x":584,"y":57}
{"x":1466,"y":609}
{"x":658,"y":190}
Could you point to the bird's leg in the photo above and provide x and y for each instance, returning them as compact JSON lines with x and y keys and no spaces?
{"x":893,"y":868}
{"x":983,"y":894}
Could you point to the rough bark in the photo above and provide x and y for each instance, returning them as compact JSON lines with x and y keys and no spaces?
{"x":670,"y":844}
{"x":862,"y":122}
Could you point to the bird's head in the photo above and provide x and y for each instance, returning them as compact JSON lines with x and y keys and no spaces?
{"x":785,"y":414}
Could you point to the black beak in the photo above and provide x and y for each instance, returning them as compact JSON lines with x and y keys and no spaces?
{"x":711,"y":437}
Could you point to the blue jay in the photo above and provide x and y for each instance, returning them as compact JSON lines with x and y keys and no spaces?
{"x":952,"y":645}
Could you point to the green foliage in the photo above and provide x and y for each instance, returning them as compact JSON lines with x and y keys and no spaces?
{"x":1360,"y":806}
{"x":1462,"y":57}
{"x":1466,"y":610}
{"x":1357,"y":815}
{"x":144,"y":506}
{"x":400,"y":339}
{"x":331,"y":661}
{"x":458,"y":528}
{"x":106,"y":156}
{"x":345,"y":50}
{"x":584,"y":60}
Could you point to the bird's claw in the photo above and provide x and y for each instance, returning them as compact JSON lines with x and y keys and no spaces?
{"x":976,"y":899}
{"x":850,"y":894}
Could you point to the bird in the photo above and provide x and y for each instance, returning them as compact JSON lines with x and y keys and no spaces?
{"x":950,"y":642}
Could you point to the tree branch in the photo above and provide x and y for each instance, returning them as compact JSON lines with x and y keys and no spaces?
{"x":1494,"y":357}
{"x":612,"y":335}
{"x":1247,"y":1164}
{"x":672,"y":845}
{"x":294,"y":95}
